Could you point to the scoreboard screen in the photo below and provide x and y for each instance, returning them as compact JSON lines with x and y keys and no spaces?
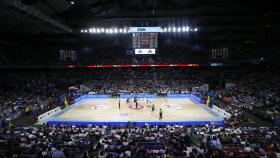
{"x":145,"y":40}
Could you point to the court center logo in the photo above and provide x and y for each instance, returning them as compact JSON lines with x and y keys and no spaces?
{"x":138,"y":107}
{"x":173,"y":106}
{"x":99,"y":107}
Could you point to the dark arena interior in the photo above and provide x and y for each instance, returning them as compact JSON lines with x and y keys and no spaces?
{"x":139,"y":79}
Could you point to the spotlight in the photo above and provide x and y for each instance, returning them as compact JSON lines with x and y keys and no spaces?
{"x":102,"y":29}
{"x":196,"y":29}
{"x":98,"y":30}
{"x":107,"y":31}
{"x":90,"y":30}
{"x":115,"y":30}
{"x":85,"y":30}
{"x":174,"y":29}
{"x":82,"y":31}
{"x":72,"y":2}
{"x":93,"y":30}
{"x":111,"y":31}
{"x":125,"y":30}
{"x":169,"y":29}
{"x":187,"y":29}
{"x":179,"y":29}
{"x":121,"y":30}
{"x":165,"y":29}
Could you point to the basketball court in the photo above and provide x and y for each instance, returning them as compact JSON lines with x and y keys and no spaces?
{"x":104,"y":111}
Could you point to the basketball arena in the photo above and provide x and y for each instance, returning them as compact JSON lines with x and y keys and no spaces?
{"x":139,"y":79}
{"x":103,"y":110}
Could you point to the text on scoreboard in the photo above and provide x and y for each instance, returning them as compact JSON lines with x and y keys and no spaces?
{"x":145,"y":40}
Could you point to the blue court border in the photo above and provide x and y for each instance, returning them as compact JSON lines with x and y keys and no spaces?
{"x":218,"y":122}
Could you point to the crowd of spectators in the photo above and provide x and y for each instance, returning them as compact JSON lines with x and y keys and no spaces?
{"x":23,"y":93}
{"x":148,"y":141}
{"x":256,"y":92}
{"x":163,"y":80}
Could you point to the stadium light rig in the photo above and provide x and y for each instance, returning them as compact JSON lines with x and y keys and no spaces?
{"x":132,"y":65}
{"x":116,"y":30}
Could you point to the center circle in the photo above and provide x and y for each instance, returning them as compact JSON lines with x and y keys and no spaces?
{"x":138,"y":107}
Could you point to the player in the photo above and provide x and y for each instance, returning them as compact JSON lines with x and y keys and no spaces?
{"x":153,"y":107}
{"x":160,"y":114}
{"x":148,"y":103}
{"x":136,"y":104}
{"x":135,"y":99}
{"x":119,"y":104}
{"x":127,"y":101}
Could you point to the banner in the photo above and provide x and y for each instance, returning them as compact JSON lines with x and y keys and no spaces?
{"x":49,"y":113}
{"x":144,"y":29}
{"x":145,"y":51}
{"x":70,"y":55}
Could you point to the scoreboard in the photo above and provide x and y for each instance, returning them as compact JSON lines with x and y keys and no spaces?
{"x":145,"y":40}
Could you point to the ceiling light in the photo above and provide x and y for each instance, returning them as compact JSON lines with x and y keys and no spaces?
{"x":179,"y":29}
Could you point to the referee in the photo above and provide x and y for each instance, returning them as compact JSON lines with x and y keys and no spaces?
{"x":160,"y":114}
{"x":119,"y":104}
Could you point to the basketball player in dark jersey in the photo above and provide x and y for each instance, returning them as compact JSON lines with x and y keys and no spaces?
{"x":153,"y":107}
{"x":160,"y":114}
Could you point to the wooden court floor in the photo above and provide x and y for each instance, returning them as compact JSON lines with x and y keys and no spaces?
{"x":108,"y":110}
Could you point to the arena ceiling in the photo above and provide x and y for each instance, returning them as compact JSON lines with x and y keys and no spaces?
{"x":230,"y":23}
